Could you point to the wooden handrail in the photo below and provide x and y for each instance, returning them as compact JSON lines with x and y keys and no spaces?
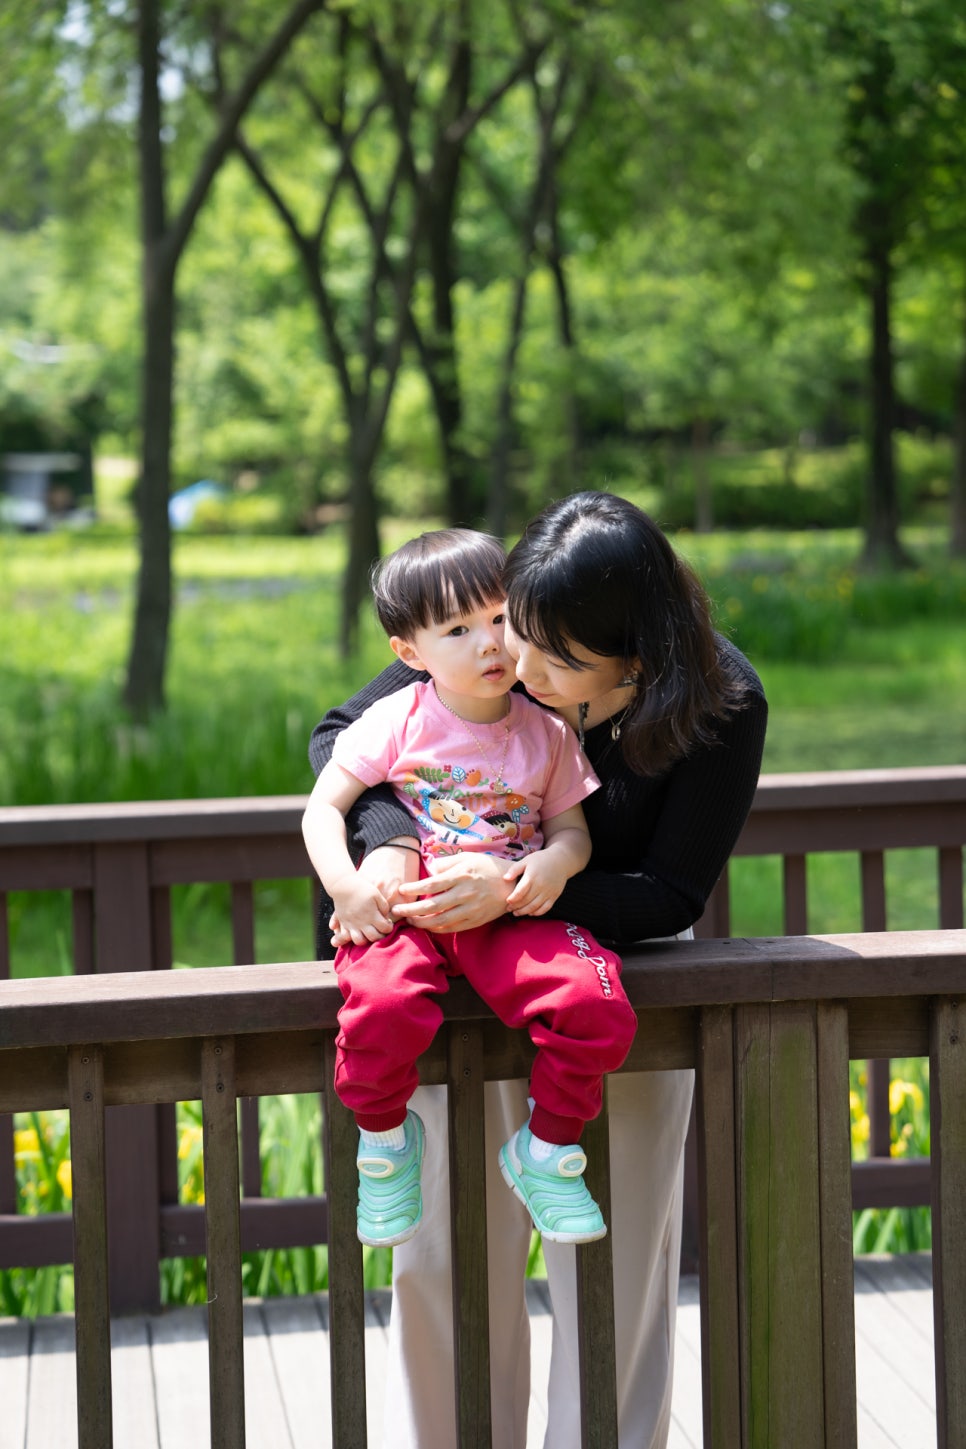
{"x":769,"y":1026}
{"x":809,"y":793}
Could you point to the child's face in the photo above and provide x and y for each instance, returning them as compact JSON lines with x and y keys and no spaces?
{"x":465,"y":654}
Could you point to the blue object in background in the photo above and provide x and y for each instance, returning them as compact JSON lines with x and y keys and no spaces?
{"x":183,"y":505}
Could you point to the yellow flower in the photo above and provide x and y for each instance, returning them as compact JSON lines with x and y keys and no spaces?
{"x":188,"y":1141}
{"x":26,"y":1143}
{"x":900,"y":1092}
{"x":65,"y":1178}
{"x":860,"y":1129}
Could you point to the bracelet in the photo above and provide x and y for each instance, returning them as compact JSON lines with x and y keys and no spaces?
{"x":388,"y":844}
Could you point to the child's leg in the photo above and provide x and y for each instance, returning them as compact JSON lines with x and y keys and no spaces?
{"x":389,"y":1016}
{"x":564,"y":988}
{"x":559,"y":983}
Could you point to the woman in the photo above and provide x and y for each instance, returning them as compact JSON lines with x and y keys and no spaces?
{"x":613,"y":631}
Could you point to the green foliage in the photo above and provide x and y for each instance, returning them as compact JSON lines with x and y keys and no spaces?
{"x":792,"y":488}
{"x":894,"y":1230}
{"x":700,"y":224}
{"x":779,"y":607}
{"x":255,"y":658}
{"x":43,"y":1175}
{"x":290,"y":1137}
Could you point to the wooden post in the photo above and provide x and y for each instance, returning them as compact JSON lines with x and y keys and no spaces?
{"x":226,"y":1358}
{"x":715,"y":1107}
{"x":467,"y":1179}
{"x":122,"y":923}
{"x":8,"y":1176}
{"x":835,"y":1210}
{"x":347,"y":1342}
{"x":779,"y":1244}
{"x":85,"y":1070}
{"x":792,"y":1311}
{"x":947,"y":1105}
{"x":595,"y":1301}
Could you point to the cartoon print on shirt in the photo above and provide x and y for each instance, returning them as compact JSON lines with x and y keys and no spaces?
{"x":449,"y":812}
{"x":515,"y":835}
{"x":455,"y":805}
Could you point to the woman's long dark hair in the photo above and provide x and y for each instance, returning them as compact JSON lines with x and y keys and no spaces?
{"x":594,"y":570}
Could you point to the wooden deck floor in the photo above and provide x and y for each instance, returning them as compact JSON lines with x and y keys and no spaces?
{"x":161,"y":1378}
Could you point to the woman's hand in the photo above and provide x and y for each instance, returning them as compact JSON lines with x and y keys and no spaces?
{"x":464,"y":890}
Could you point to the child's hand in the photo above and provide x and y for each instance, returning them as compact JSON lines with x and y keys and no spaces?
{"x":540,"y":879}
{"x":361,"y":910}
{"x":385,"y":869}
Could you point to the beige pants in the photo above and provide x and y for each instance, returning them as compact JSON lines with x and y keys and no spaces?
{"x":649,"y":1114}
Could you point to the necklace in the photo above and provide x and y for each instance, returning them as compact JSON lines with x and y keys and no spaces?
{"x":616,"y":725}
{"x":496,"y":776}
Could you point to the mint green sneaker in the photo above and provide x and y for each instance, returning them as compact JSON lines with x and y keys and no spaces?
{"x":553,"y":1192}
{"x":390,"y":1198}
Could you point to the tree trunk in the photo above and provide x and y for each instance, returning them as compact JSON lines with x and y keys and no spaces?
{"x":882,"y":546}
{"x":442,"y":363}
{"x":162,"y":246}
{"x":363,"y":548}
{"x":499,"y":491}
{"x":144,"y":687}
{"x":957,"y":500}
{"x":440,"y":360}
{"x":570,"y":471}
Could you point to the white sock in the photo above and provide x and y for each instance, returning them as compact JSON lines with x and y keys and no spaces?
{"x":541,"y":1151}
{"x":394,"y":1139}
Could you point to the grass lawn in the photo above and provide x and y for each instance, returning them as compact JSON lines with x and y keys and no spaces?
{"x":859,"y":672}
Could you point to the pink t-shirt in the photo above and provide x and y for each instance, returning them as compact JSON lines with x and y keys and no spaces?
{"x":469,"y":786}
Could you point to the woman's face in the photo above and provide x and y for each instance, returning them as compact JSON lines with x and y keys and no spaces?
{"x":557,"y":684}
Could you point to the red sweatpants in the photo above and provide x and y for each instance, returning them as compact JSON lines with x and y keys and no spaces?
{"x":545,"y":975}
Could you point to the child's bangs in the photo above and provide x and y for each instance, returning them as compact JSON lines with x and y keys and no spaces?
{"x":473,"y":583}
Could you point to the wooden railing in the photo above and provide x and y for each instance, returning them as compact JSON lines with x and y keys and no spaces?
{"x":120,"y":863}
{"x":769,"y":1025}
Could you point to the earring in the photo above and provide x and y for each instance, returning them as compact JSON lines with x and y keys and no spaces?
{"x":630,"y":679}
